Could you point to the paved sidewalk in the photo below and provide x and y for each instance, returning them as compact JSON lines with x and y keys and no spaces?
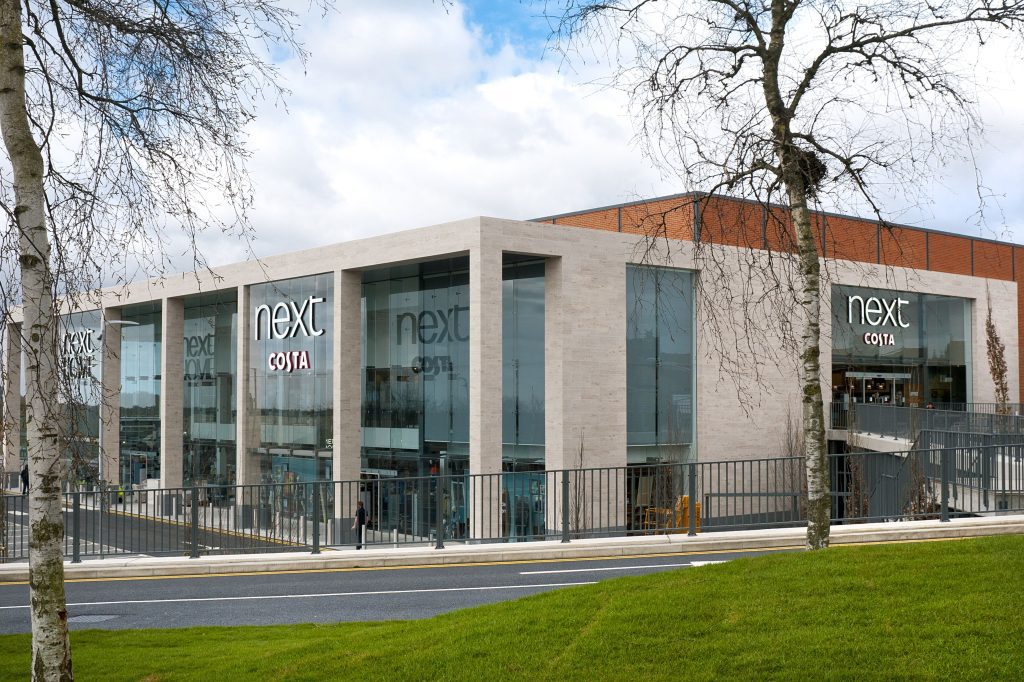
{"x":524,"y":551}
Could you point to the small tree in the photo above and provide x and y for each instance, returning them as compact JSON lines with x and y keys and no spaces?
{"x":121,"y":121}
{"x":795,"y":104}
{"x":996,"y":360}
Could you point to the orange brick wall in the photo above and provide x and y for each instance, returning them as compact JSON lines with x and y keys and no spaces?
{"x":608,"y":219}
{"x":947,"y":253}
{"x":731,"y":222}
{"x":849,"y":239}
{"x":903,"y":248}
{"x":994,"y":261}
{"x":779,"y":234}
{"x":672,"y":218}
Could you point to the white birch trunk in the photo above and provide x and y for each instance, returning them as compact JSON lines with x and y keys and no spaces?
{"x":51,"y":651}
{"x":815,"y":457}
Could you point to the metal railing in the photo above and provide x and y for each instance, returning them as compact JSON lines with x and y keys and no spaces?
{"x":982,"y":408}
{"x":957,"y":474}
{"x":930,"y":483}
{"x":906,"y":423}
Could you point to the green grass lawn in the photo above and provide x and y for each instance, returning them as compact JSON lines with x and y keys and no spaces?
{"x":923,"y":610}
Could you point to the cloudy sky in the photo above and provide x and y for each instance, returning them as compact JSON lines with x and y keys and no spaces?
{"x":407,"y":115}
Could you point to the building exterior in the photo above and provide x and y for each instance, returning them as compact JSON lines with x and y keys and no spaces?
{"x":490,"y":345}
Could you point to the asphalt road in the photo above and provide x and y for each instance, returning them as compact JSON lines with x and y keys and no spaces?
{"x":119,"y":533}
{"x":325,"y":596}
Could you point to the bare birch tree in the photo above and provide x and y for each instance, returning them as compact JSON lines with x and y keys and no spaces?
{"x":800,"y":104}
{"x":123,"y":121}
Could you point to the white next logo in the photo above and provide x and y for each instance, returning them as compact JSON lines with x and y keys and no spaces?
{"x":876,"y":312}
{"x":287,"y":319}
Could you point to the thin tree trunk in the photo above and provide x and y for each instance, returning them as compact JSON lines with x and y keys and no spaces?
{"x":51,"y":651}
{"x":818,"y":505}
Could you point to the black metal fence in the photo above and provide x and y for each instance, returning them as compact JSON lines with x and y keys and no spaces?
{"x":958,"y":475}
{"x":905,"y":423}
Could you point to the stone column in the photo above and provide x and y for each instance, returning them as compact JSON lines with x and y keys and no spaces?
{"x":247,"y":418}
{"x":485,"y":377}
{"x":110,"y":397}
{"x":555,"y":456}
{"x":247,"y":432}
{"x":172,"y":372}
{"x":12,"y":401}
{"x":347,"y":392}
{"x":585,"y":386}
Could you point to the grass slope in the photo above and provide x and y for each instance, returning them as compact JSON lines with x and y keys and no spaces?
{"x":924,"y":610}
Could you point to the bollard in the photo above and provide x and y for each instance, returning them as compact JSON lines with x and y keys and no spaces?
{"x":195,"y":524}
{"x":944,"y":466}
{"x":439,"y":526}
{"x":76,"y":509}
{"x":316,"y":518}
{"x":692,"y":492}
{"x":565,"y":505}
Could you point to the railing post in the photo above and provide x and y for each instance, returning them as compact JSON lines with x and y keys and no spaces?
{"x":565,"y":505}
{"x":439,"y":509}
{"x":76,"y":509}
{"x":692,"y":494}
{"x":316,"y":517}
{"x":944,"y":478}
{"x":195,"y":523}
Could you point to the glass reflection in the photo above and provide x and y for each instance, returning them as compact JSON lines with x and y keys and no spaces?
{"x":415,"y":350}
{"x":900,"y":348}
{"x":659,"y":364}
{"x":209,"y":355}
{"x":80,"y":393}
{"x":291,"y":382}
{"x":522,"y":364}
{"x":140,"y":394}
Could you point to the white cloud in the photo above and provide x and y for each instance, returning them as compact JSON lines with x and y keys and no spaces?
{"x":409,"y":116}
{"x":405,"y":118}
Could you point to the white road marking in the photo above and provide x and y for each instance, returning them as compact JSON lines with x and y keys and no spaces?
{"x":606,"y":568}
{"x":587,"y":570}
{"x":310,"y":596}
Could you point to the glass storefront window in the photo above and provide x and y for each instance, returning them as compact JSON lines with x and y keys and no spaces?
{"x":523,"y":363}
{"x":210,"y":332}
{"x":291,"y":365}
{"x":415,"y":346}
{"x":900,"y":347}
{"x":140,"y":393}
{"x":659,"y":364}
{"x":80,"y":392}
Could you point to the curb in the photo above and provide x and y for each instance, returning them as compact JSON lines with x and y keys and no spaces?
{"x":776,"y":538}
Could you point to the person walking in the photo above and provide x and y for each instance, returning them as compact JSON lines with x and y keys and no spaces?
{"x":359,"y":524}
{"x":24,"y":479}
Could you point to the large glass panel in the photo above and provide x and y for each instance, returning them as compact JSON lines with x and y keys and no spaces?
{"x":140,"y":393}
{"x":80,"y":395}
{"x":523,"y":363}
{"x":416,"y":369}
{"x":291,"y":365}
{"x":211,"y":324}
{"x":659,"y":364}
{"x":900,"y":347}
